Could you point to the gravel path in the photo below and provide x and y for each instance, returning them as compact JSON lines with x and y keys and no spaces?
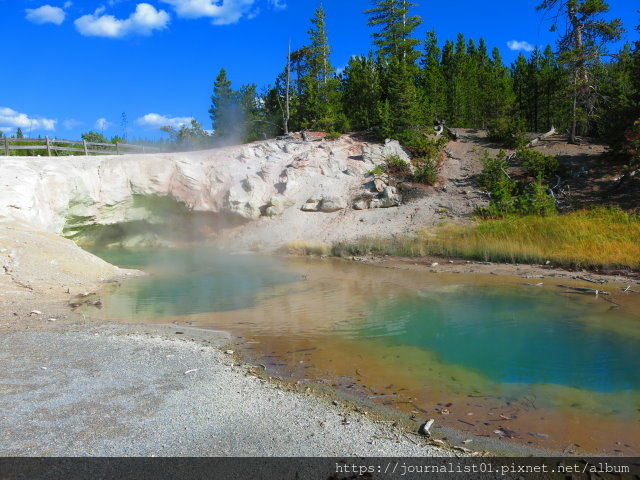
{"x":108,"y":391}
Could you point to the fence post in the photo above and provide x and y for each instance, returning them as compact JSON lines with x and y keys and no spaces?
{"x":117,"y":149}
{"x":6,"y":146}
{"x":48,"y":146}
{"x":84,"y":144}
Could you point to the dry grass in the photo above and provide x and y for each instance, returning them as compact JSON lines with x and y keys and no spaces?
{"x":597,"y":238}
{"x":299,"y":247}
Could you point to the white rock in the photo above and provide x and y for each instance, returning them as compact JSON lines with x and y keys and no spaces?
{"x":236,"y":184}
{"x":332,"y":204}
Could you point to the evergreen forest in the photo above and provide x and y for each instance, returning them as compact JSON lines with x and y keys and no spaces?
{"x":406,"y":85}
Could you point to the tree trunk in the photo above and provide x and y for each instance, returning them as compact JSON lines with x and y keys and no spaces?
{"x":287,"y":111}
{"x":580,"y":74}
{"x":542,"y":137}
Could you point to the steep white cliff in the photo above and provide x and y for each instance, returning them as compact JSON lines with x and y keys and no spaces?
{"x":209,"y":191}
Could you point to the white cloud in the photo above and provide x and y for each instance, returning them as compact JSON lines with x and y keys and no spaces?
{"x":10,"y":119}
{"x":67,"y":5}
{"x":102,"y":124}
{"x":71,"y":123}
{"x":46,"y":14}
{"x":520,"y":45}
{"x":279,"y":4}
{"x":156,"y":120}
{"x":143,"y":21}
{"x":228,"y":11}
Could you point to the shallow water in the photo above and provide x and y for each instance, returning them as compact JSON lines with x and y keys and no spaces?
{"x":484,"y":354}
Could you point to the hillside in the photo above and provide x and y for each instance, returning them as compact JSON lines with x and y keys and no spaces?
{"x":266,"y":194}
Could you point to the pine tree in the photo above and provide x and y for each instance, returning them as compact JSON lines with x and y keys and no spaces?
{"x":619,"y":94}
{"x":224,"y":112}
{"x":394,"y":38}
{"x":485,"y":95}
{"x":319,"y":49}
{"x":457,"y":84}
{"x":318,"y":86}
{"x":432,"y":82}
{"x":257,"y":124}
{"x":396,"y":56}
{"x":504,"y":120}
{"x":520,"y":73}
{"x":553,"y":105}
{"x":581,"y":47}
{"x":403,"y":100}
{"x":448,"y":70}
{"x":361,"y":93}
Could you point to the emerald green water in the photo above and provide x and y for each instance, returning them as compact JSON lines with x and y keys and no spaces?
{"x":512,"y":335}
{"x":504,"y":333}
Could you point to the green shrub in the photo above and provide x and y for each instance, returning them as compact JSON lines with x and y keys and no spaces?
{"x":397,"y":167}
{"x":421,"y":146}
{"x":494,"y":176}
{"x":426,"y":172}
{"x":537,"y":164}
{"x":508,"y":131}
{"x":510,"y":197}
{"x":536,"y":201}
{"x":378,"y":170}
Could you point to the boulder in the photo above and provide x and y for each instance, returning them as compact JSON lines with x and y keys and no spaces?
{"x":277,"y":205}
{"x":310,"y":206}
{"x":332,"y":204}
{"x":326,"y":203}
{"x":362,"y":204}
{"x":378,"y":154}
{"x":389,"y":198}
{"x":379,"y":184}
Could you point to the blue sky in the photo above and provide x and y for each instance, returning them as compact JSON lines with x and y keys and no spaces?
{"x":71,"y":66}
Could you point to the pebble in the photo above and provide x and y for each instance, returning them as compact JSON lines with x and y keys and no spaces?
{"x":229,"y":352}
{"x":425,"y":427}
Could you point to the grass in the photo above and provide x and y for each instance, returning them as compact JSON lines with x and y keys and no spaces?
{"x":299,"y":247}
{"x":600,"y":238}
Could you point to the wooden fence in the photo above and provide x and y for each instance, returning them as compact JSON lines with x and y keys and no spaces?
{"x":80,"y":146}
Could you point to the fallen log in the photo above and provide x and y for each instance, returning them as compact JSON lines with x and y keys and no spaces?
{"x":585,"y":290}
{"x":542,"y":137}
{"x":440,"y":126}
{"x":586,"y":279}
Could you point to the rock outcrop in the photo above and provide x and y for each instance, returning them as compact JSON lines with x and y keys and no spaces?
{"x":144,"y":198}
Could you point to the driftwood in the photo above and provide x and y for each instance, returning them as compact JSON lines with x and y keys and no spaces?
{"x":440,"y":126}
{"x":586,"y":279}
{"x":542,"y":137}
{"x":585,"y":290}
{"x":629,"y":289}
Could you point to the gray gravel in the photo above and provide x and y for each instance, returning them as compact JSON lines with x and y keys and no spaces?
{"x":109,"y":391}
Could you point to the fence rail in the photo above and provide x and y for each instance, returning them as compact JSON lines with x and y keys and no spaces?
{"x":81,"y":146}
